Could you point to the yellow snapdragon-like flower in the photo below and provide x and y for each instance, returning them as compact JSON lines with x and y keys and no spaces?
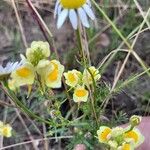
{"x":91,"y":74}
{"x":5,"y":130}
{"x":80,"y":94}
{"x":24,"y":75}
{"x":135,"y":137}
{"x":53,"y":74}
{"x":126,"y":146}
{"x":39,"y":50}
{"x":72,"y":77}
{"x":104,"y":134}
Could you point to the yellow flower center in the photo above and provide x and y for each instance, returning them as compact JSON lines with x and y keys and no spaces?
{"x":132,"y":135}
{"x":104,"y":134}
{"x":126,"y":147}
{"x":53,"y":75}
{"x":71,"y":77}
{"x":80,"y":93}
{"x":23,"y":72}
{"x":72,"y":4}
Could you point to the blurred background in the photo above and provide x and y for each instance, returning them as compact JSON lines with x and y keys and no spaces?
{"x":19,"y":27}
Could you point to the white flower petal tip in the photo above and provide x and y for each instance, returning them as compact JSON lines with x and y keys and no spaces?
{"x":75,"y":10}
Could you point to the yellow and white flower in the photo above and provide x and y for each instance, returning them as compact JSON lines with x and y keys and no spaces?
{"x":6,"y":71}
{"x":24,"y":75}
{"x":74,"y":9}
{"x":126,"y":146}
{"x":5,"y":130}
{"x":135,"y":137}
{"x":72,"y":77}
{"x":80,"y":94}
{"x":53,"y":74}
{"x":104,"y":134}
{"x":39,"y":50}
{"x":91,"y":74}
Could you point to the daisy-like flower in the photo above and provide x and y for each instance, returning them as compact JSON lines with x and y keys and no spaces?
{"x":135,"y":137}
{"x":24,"y":75}
{"x":53,"y":74}
{"x":91,"y":74}
{"x":80,"y":94}
{"x":39,"y":50}
{"x":6,"y":71}
{"x":5,"y":130}
{"x":73,"y":9}
{"x":72,"y":77}
{"x":104,"y":134}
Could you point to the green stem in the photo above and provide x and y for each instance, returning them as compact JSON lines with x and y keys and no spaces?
{"x":21,"y":105}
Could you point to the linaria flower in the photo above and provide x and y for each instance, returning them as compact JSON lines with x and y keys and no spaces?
{"x":39,"y":50}
{"x":6,"y":71}
{"x":53,"y":74}
{"x":80,"y":94}
{"x":72,"y":77}
{"x":135,"y":137}
{"x":5,"y":130}
{"x":73,"y":9}
{"x":24,"y":75}
{"x":126,"y":146}
{"x":104,"y":134}
{"x":91,"y":74}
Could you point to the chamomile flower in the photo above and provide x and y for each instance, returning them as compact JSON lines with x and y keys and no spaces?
{"x":6,"y":130}
{"x":6,"y":71}
{"x":91,"y":74}
{"x":24,"y":75}
{"x":73,"y":9}
{"x":72,"y":77}
{"x":53,"y":74}
{"x":135,"y":137}
{"x":39,"y":50}
{"x":104,"y":134}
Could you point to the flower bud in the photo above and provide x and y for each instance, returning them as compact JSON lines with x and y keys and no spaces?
{"x":135,"y":120}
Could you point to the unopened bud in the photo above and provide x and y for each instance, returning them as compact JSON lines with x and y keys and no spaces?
{"x":135,"y":120}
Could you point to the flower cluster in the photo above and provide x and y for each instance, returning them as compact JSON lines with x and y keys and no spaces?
{"x":120,"y":138}
{"x":5,"y":130}
{"x":81,"y":81}
{"x":35,"y":65}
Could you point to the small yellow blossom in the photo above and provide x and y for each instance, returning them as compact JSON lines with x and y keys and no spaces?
{"x":80,"y":94}
{"x":72,"y":77}
{"x":117,"y":131}
{"x":104,"y":134}
{"x":6,"y":130}
{"x":53,"y":74}
{"x":24,"y":75}
{"x":135,"y":137}
{"x":39,"y":50}
{"x":126,"y":146}
{"x":91,"y":74}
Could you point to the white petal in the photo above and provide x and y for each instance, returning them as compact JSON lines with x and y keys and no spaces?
{"x":59,"y":10}
{"x":89,"y":3}
{"x":89,"y":11}
{"x":56,"y":8}
{"x":62,"y":17}
{"x":83,"y":17}
{"x":73,"y":18}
